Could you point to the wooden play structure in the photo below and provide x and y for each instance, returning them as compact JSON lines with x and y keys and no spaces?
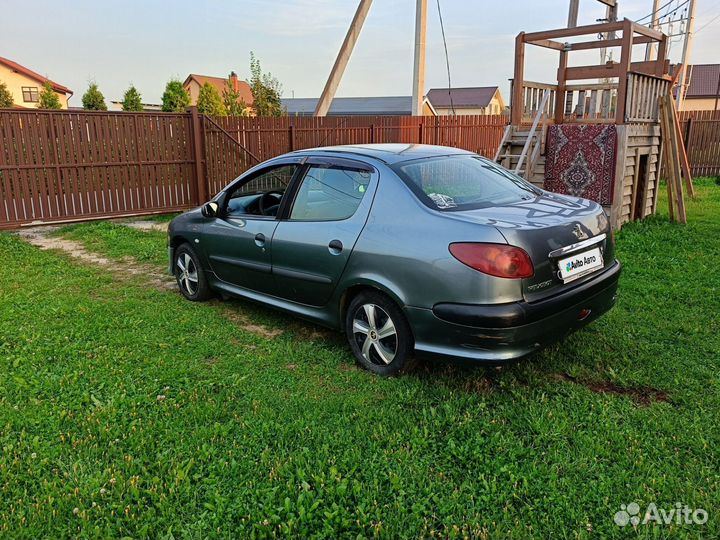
{"x":596,"y":130}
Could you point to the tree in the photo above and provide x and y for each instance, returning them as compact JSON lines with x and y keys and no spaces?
{"x":209,"y":101}
{"x":6,"y":98}
{"x":48,"y":99}
{"x":266,"y":90}
{"x":93,"y":99}
{"x":132,"y":100}
{"x":232,"y":99}
{"x":175,"y":98}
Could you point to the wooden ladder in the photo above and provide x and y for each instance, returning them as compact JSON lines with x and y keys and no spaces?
{"x":532,"y":142}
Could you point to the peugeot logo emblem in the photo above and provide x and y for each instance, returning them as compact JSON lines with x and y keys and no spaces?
{"x":577,"y":231}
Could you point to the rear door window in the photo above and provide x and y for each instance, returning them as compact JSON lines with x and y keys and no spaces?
{"x":463,"y":183}
{"x":329,"y":193}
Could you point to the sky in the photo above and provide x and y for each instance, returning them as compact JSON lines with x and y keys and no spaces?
{"x":146,"y":43}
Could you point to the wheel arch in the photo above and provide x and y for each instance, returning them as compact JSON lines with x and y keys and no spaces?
{"x":351,"y":290}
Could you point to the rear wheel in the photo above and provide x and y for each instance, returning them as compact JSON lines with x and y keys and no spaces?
{"x":378,"y":333}
{"x":189,"y":275}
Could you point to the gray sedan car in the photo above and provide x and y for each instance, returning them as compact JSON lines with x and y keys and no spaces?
{"x":407,"y":249}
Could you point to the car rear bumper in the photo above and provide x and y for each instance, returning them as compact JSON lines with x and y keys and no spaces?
{"x":500,"y":332}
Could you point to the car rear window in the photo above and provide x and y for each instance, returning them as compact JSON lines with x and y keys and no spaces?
{"x":463,"y":183}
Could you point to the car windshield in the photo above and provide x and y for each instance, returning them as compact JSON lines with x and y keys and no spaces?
{"x":463,"y":183}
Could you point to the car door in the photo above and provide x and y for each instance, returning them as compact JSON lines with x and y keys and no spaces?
{"x":329,"y":210}
{"x":238,"y":242}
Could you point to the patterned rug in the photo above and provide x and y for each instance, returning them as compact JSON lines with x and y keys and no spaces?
{"x":580,"y":161}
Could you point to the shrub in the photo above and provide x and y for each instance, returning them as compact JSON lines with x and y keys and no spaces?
{"x":6,"y":98}
{"x":234,"y":103}
{"x":48,"y":99}
{"x":93,"y":99}
{"x":266,"y":90}
{"x":175,"y":98}
{"x":132,"y":100}
{"x":209,"y":101}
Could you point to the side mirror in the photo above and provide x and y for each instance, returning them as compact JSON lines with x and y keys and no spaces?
{"x":210,"y":210}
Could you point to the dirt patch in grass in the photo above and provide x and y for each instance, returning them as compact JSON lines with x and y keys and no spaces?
{"x":145,"y":225}
{"x":642,"y":395}
{"x":242,"y":320}
{"x":125,"y":267}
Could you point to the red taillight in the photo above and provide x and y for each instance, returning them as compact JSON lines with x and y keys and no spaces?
{"x":494,"y":259}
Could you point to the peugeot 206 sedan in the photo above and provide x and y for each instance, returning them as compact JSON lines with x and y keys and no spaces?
{"x":408,"y":249}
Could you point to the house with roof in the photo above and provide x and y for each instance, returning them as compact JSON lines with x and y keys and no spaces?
{"x":469,"y":100}
{"x":193,"y":83}
{"x":358,"y":106}
{"x":25,"y":84}
{"x":703,"y":88}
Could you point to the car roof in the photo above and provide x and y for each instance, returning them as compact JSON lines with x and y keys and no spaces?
{"x":387,"y":153}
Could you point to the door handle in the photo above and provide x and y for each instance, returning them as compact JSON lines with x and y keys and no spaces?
{"x":335,"y":247}
{"x":260,"y":240}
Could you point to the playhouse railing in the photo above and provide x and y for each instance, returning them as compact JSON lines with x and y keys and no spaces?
{"x":642,"y":97}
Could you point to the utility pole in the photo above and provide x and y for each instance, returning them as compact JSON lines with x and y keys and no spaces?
{"x":573,"y":13}
{"x":611,"y":11}
{"x":686,"y":54}
{"x":418,"y":92}
{"x":651,"y":49}
{"x":343,"y":56}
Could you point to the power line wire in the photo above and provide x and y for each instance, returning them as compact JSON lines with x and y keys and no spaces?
{"x":447,"y":58}
{"x":656,"y":11}
{"x":716,"y":17}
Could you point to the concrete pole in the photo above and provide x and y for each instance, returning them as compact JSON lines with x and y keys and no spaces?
{"x":343,"y":56}
{"x":651,"y":49}
{"x":573,"y":13}
{"x":611,"y":16}
{"x":418,"y":91}
{"x":686,"y":55}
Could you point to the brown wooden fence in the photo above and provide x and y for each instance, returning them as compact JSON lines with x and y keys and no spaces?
{"x":65,"y":166}
{"x":701,"y":133}
{"x":60,"y":166}
{"x":263,"y":138}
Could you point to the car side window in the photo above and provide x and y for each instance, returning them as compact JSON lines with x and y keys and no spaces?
{"x":329,"y":193}
{"x":262,"y":194}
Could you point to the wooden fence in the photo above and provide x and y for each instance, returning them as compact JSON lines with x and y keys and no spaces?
{"x":701,"y":133}
{"x":67,"y":166}
{"x":60,"y":166}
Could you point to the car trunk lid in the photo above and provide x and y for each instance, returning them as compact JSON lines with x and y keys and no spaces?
{"x":545,"y":227}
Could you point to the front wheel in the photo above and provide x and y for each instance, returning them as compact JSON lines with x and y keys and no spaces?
{"x":189,"y":275}
{"x":378,"y":333}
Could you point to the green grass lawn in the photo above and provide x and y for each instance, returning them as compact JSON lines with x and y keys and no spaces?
{"x":126,"y":411}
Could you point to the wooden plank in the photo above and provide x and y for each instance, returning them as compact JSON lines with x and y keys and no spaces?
{"x":684,"y":164}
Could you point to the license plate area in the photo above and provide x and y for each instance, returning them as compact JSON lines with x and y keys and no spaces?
{"x":580,"y":264}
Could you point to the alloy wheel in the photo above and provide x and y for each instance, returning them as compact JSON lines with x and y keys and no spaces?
{"x":375,"y":333}
{"x":187,"y":275}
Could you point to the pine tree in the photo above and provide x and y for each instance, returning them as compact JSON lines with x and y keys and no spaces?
{"x":6,"y":98}
{"x":48,"y":99}
{"x":132,"y":100}
{"x":234,"y":103}
{"x":209,"y":101}
{"x":175,"y":98}
{"x":93,"y":99}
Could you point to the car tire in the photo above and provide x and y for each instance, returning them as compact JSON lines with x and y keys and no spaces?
{"x":378,"y":333}
{"x":189,"y":275}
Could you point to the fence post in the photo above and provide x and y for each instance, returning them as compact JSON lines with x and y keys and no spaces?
{"x":372,"y":133}
{"x":420,"y":132}
{"x":688,"y":131}
{"x":291,"y":137}
{"x":200,"y":191}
